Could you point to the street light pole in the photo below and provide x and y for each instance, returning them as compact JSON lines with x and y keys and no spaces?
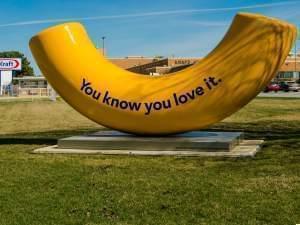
{"x":103,"y":46}
{"x":295,"y":58}
{"x":297,"y":38}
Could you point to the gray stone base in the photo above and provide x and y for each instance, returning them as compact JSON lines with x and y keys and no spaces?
{"x":245,"y":149}
{"x":226,"y":144}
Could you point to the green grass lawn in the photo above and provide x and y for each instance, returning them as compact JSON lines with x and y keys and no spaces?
{"x":95,"y":189}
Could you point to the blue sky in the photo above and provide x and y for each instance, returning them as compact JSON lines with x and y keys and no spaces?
{"x":170,"y":27}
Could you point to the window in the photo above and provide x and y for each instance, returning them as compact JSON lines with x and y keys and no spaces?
{"x":285,"y":75}
{"x":289,"y":74}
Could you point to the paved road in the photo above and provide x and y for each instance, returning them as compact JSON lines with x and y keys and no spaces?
{"x":280,"y":94}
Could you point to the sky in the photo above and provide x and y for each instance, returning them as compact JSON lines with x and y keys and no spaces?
{"x":180,"y":28}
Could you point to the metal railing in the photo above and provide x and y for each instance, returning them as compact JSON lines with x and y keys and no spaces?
{"x":17,"y":91}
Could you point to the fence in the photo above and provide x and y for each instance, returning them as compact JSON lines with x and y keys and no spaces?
{"x":17,"y":91}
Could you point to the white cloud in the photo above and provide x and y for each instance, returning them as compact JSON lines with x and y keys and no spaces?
{"x":208,"y":23}
{"x":149,"y":14}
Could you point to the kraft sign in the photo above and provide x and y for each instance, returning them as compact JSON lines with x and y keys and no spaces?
{"x":10,"y":64}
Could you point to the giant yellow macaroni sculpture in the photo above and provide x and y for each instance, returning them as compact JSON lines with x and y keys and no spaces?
{"x":220,"y":84}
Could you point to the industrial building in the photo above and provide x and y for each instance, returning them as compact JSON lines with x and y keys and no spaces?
{"x":153,"y":66}
{"x":290,"y":70}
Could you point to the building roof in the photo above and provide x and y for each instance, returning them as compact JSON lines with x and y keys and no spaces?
{"x":127,"y":63}
{"x":30,"y":78}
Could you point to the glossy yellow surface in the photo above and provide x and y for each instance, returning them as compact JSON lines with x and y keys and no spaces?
{"x":224,"y":81}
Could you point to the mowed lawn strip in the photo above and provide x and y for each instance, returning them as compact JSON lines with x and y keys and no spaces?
{"x":77,"y":189}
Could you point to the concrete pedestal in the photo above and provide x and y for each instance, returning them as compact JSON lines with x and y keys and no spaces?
{"x":198,"y":143}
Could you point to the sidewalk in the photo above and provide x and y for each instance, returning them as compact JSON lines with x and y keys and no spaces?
{"x":24,"y":98}
{"x":280,"y":94}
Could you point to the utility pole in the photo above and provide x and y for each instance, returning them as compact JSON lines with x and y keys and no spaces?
{"x":103,"y":45}
{"x":295,"y":58}
{"x":297,"y":38}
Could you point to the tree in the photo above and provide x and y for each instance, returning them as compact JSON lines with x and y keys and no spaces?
{"x":27,"y":70}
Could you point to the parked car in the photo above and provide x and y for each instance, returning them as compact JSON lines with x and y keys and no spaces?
{"x":294,"y":87}
{"x":272,"y":87}
{"x":284,"y":86}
